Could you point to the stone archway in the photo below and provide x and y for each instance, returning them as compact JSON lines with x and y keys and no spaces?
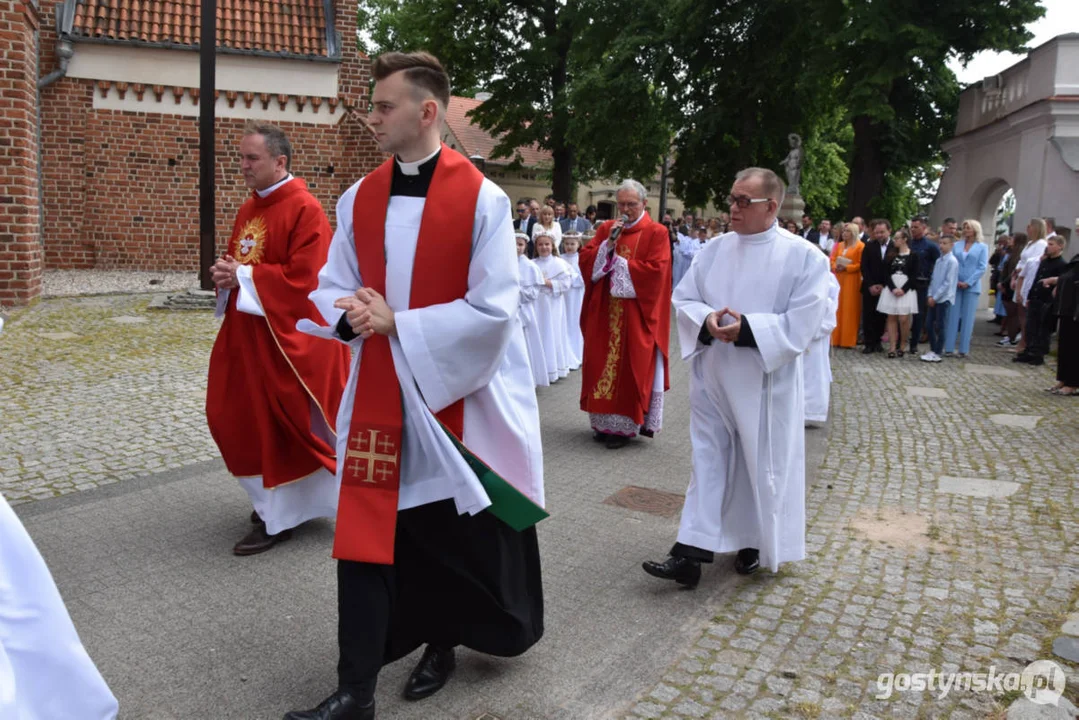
{"x":985,"y":201}
{"x":1019,"y":129}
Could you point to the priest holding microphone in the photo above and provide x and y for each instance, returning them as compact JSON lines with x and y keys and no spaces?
{"x":626,"y":321}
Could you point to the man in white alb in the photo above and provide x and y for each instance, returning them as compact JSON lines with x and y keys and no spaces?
{"x":762,"y":292}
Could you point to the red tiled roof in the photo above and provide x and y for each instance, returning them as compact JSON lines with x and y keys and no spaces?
{"x":477,"y":141}
{"x":289,"y":27}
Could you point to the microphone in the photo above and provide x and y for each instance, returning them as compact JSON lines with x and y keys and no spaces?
{"x":618,"y":230}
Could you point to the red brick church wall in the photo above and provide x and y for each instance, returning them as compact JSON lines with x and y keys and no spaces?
{"x":20,"y":239}
{"x":121,"y":188}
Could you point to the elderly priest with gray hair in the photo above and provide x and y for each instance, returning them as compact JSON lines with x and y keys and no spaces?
{"x":747,"y":310}
{"x":626,"y":322}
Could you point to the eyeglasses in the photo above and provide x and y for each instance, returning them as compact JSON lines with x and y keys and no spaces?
{"x":743,"y":202}
{"x":522,"y":210}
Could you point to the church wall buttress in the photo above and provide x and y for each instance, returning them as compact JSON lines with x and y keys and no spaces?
{"x":20,"y":227}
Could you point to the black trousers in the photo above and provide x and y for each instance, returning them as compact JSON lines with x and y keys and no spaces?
{"x":918,"y":321}
{"x":1040,"y":325}
{"x":872,"y":321}
{"x":456,"y":580}
{"x":1068,"y":352}
{"x":692,"y":552}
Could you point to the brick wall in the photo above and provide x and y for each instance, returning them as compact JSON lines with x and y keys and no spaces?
{"x":120,"y":189}
{"x":20,"y":239}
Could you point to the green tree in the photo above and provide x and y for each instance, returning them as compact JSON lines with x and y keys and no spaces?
{"x":890,"y":58}
{"x":559,"y":76}
{"x":746,"y":83}
{"x":825,"y":174}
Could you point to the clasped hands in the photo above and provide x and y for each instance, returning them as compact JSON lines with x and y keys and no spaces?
{"x":367,"y":313}
{"x":223,"y":273}
{"x":724,"y":333}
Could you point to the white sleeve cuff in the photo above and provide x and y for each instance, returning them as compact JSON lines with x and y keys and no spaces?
{"x":246,"y":297}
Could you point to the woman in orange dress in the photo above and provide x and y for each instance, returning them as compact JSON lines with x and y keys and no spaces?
{"x":849,"y":273}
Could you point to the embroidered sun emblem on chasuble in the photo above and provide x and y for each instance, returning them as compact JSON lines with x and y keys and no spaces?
{"x":250,"y":242}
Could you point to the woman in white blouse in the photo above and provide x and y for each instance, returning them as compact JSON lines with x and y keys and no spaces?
{"x":547,"y":224}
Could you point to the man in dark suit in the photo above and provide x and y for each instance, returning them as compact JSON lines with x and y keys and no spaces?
{"x":809,"y":232}
{"x":524,"y":220}
{"x":874,"y":281}
{"x":864,"y":237}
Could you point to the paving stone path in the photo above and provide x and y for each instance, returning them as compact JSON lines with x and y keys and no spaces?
{"x":95,"y":390}
{"x":942,"y":536}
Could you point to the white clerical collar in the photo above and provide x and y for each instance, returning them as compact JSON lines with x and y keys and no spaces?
{"x":639,"y":218}
{"x":760,"y":237}
{"x":413,"y":168}
{"x":267,"y":191}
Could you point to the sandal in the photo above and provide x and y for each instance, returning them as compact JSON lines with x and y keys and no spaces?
{"x":899,"y":353}
{"x":1070,"y":392}
{"x":891,"y":353}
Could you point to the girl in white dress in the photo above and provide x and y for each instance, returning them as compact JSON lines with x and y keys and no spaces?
{"x":550,"y":314}
{"x":531,"y":283}
{"x":898,"y":300}
{"x":571,"y":243}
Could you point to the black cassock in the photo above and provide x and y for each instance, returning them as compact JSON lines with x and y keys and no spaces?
{"x":466,"y":580}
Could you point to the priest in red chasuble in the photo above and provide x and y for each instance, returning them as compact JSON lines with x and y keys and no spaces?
{"x":422,"y":282}
{"x":273,"y":392}
{"x":626,"y":321}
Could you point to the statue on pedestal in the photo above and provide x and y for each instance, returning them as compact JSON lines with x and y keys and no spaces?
{"x":793,"y":164}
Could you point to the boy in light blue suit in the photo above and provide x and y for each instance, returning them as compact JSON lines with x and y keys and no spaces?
{"x":941,"y":295}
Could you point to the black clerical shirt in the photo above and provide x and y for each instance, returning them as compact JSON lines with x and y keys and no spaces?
{"x":401,"y":185}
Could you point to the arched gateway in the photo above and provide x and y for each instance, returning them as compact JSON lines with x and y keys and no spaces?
{"x":1018,"y":130}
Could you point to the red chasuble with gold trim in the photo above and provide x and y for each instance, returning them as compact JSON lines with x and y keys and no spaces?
{"x":370,"y":480}
{"x":269,"y":383}
{"x":621,"y":334}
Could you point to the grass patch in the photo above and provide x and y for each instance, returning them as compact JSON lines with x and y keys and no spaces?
{"x":807,"y":710}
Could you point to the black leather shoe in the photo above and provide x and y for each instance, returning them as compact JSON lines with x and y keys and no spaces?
{"x":339,"y":706}
{"x":258,"y":540}
{"x":1021,"y":357}
{"x":869,"y":350}
{"x":598,"y":436}
{"x":748,"y":561}
{"x":434,"y":669}
{"x":616,"y":441}
{"x":684,"y":571}
{"x":255,"y":519}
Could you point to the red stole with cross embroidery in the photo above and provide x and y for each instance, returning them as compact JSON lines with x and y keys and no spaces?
{"x":371,"y":475}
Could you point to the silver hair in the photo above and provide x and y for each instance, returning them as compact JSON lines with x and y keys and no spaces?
{"x":771,"y":184}
{"x":633,"y":186}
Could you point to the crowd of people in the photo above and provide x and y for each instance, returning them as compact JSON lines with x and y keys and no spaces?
{"x":923,"y":284}
{"x":383,"y":374}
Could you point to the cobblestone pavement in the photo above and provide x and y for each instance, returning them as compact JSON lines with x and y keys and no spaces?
{"x":941,"y":535}
{"x":60,"y":283}
{"x":941,"y":529}
{"x":98,"y":389}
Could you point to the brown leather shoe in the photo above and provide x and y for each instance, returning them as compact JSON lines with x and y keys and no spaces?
{"x":258,"y":540}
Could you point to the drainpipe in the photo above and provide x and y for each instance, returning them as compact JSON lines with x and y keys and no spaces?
{"x":64,"y":50}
